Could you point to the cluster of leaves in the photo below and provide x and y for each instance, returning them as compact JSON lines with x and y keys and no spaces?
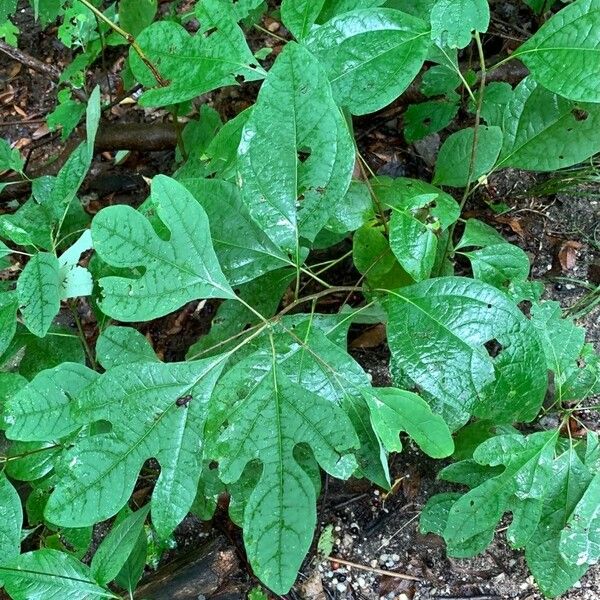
{"x":271,"y":395}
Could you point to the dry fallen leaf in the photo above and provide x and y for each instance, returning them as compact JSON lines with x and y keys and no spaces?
{"x":513,"y":223}
{"x":371,"y":338}
{"x":567,"y":254}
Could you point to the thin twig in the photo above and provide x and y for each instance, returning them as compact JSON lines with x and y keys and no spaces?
{"x":473,"y":158}
{"x":130,"y":40}
{"x":372,"y":569}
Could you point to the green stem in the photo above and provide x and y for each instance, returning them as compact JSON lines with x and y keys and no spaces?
{"x":129,"y":39}
{"x":84,"y":341}
{"x":473,"y":158}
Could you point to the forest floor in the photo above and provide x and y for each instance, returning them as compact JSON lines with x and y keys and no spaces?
{"x":560,"y":231}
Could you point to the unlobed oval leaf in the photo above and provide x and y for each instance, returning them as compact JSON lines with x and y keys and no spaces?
{"x":50,"y":575}
{"x":563,"y":55}
{"x":39,"y":292}
{"x":437,"y":331}
{"x":455,"y":159}
{"x":296,"y":156}
{"x":116,"y":547}
{"x":370,"y":55}
{"x":544,"y":132}
{"x":11,"y":520}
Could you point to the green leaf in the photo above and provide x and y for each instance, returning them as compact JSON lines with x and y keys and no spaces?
{"x":563,"y":55}
{"x":454,"y":21}
{"x":264,"y":294}
{"x":496,"y":96}
{"x":414,"y":242}
{"x":326,"y":541}
{"x":50,"y":574}
{"x":117,"y":546}
{"x":45,"y":409}
{"x":479,"y":234}
{"x":222,"y":151}
{"x":540,"y":6}
{"x":123,"y":345}
{"x":11,"y":520}
{"x":580,"y":540}
{"x":39,"y":292}
{"x":569,"y":481}
{"x":439,"y":80}
{"x":198,"y":134}
{"x":75,"y":280}
{"x":499,"y":265}
{"x":333,"y":8}
{"x":179,"y":270}
{"x":394,"y":410}
{"x":9,"y":33}
{"x":97,"y":476}
{"x":36,"y":459}
{"x":66,"y":115}
{"x":373,"y":258}
{"x":300,"y":15}
{"x":33,"y":354}
{"x":544,"y":132}
{"x":133,"y":569}
{"x":243,"y":250}
{"x":437,"y":331}
{"x":280,"y":514}
{"x":421,"y":120}
{"x":406,"y":194}
{"x":291,"y":195}
{"x":455,"y":157}
{"x":9,"y":305}
{"x":528,"y":473}
{"x":354,"y":211}
{"x":370,"y":56}
{"x":563,"y":344}
{"x":136,"y":15}
{"x":434,"y":516}
{"x":10,"y":158}
{"x":194,"y":65}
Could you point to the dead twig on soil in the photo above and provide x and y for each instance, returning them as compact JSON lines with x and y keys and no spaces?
{"x":383,"y":572}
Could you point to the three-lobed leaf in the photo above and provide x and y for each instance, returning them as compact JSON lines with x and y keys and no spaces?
{"x":280,"y":514}
{"x":98,"y":474}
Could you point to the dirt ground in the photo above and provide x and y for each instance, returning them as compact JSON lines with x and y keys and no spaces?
{"x":561,"y":234}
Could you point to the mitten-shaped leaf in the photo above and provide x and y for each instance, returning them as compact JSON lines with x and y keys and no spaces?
{"x":394,"y":410}
{"x":194,"y":65}
{"x":453,"y":21}
{"x":176,"y":271}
